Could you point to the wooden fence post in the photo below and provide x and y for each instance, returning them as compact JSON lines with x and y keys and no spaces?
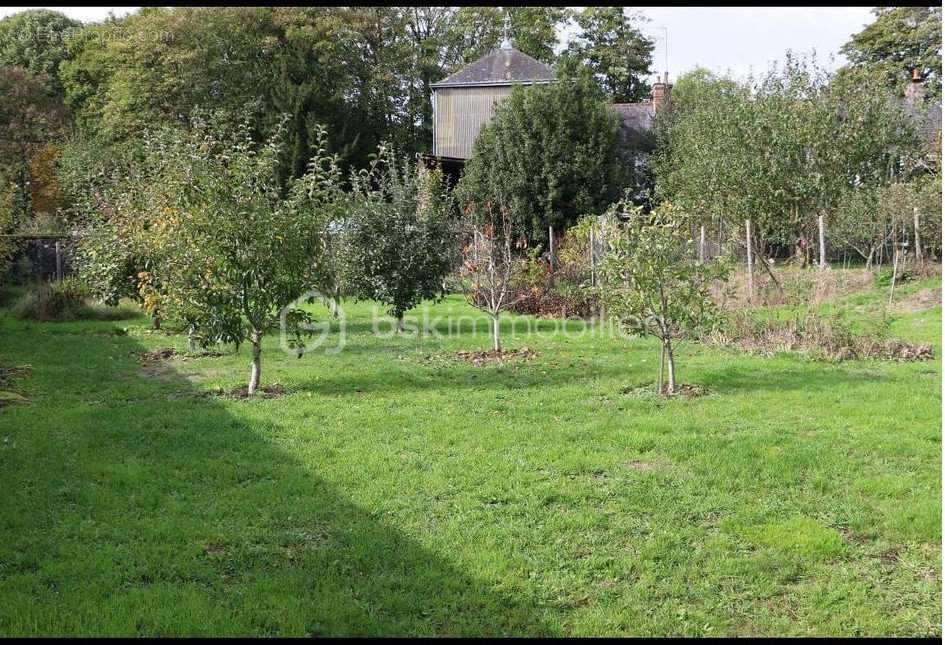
{"x":591,"y":253}
{"x":892,"y":286}
{"x":58,"y":261}
{"x":751,"y":285}
{"x":551,"y":248}
{"x":918,"y":239}
{"x":823,"y":241}
{"x":701,"y":243}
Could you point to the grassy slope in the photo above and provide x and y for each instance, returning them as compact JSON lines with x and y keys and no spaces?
{"x":394,"y":491}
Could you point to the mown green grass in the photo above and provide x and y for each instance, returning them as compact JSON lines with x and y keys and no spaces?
{"x":395,"y":490}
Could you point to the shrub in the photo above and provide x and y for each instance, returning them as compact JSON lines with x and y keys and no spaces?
{"x":562,"y":290}
{"x":64,"y":301}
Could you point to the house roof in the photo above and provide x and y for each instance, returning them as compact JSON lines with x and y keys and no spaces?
{"x":500,"y":67}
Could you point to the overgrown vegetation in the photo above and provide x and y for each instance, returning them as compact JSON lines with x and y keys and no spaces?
{"x":64,"y":301}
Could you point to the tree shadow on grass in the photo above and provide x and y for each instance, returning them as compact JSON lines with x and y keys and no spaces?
{"x":182,"y":517}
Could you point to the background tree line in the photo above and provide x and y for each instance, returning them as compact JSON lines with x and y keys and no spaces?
{"x":83,"y":94}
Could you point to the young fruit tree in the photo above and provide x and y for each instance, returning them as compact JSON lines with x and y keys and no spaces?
{"x":397,"y":237}
{"x":489,"y":266}
{"x":231,"y":252}
{"x":652,"y":283}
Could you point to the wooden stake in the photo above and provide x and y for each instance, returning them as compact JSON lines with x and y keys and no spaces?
{"x":892,"y":287}
{"x":918,"y":239}
{"x":751,"y":285}
{"x":823,"y":242}
{"x":58,"y":261}
{"x":551,"y":247}
{"x":702,"y":244}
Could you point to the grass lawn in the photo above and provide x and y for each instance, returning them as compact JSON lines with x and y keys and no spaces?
{"x":395,"y":490}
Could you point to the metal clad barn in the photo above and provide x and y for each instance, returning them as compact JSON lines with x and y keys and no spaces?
{"x":467,"y":100}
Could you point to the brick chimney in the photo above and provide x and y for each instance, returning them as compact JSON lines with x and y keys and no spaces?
{"x":661,"y":91}
{"x":915,"y":91}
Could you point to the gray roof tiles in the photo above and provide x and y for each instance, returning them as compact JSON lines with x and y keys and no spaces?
{"x":500,"y":67}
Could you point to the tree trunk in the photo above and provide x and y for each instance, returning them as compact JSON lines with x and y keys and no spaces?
{"x":823,"y":242}
{"x":400,"y":324}
{"x":892,"y":286}
{"x":156,"y":321}
{"x":918,"y":239}
{"x":254,"y":371}
{"x":774,"y":278}
{"x":702,"y":244}
{"x":751,"y":284}
{"x":496,"y":343}
{"x":671,"y":386}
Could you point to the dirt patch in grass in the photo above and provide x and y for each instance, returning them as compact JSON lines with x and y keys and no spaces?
{"x":271,"y":391}
{"x":7,"y":376}
{"x":166,"y":353}
{"x":648,"y":391}
{"x":496,"y":357}
{"x":207,"y":353}
{"x":641,"y":466}
{"x":153,"y":363}
{"x":889,"y":557}
{"x":855,"y":538}
{"x":161,"y":354}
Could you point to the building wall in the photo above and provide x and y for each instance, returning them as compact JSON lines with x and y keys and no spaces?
{"x":460,"y":114}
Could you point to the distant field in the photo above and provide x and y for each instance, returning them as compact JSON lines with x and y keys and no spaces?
{"x":395,"y":490}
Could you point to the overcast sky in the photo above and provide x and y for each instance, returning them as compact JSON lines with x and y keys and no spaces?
{"x":735,"y":39}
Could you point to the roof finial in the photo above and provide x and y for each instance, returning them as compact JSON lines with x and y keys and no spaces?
{"x":507,"y":32}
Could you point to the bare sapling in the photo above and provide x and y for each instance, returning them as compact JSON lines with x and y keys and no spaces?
{"x":488,"y":266}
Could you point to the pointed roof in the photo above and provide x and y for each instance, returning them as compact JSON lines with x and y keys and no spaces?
{"x":500,"y":67}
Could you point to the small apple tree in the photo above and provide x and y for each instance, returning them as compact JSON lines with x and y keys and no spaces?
{"x":651,"y":281}
{"x":398,"y":235}
{"x":230,"y":250}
